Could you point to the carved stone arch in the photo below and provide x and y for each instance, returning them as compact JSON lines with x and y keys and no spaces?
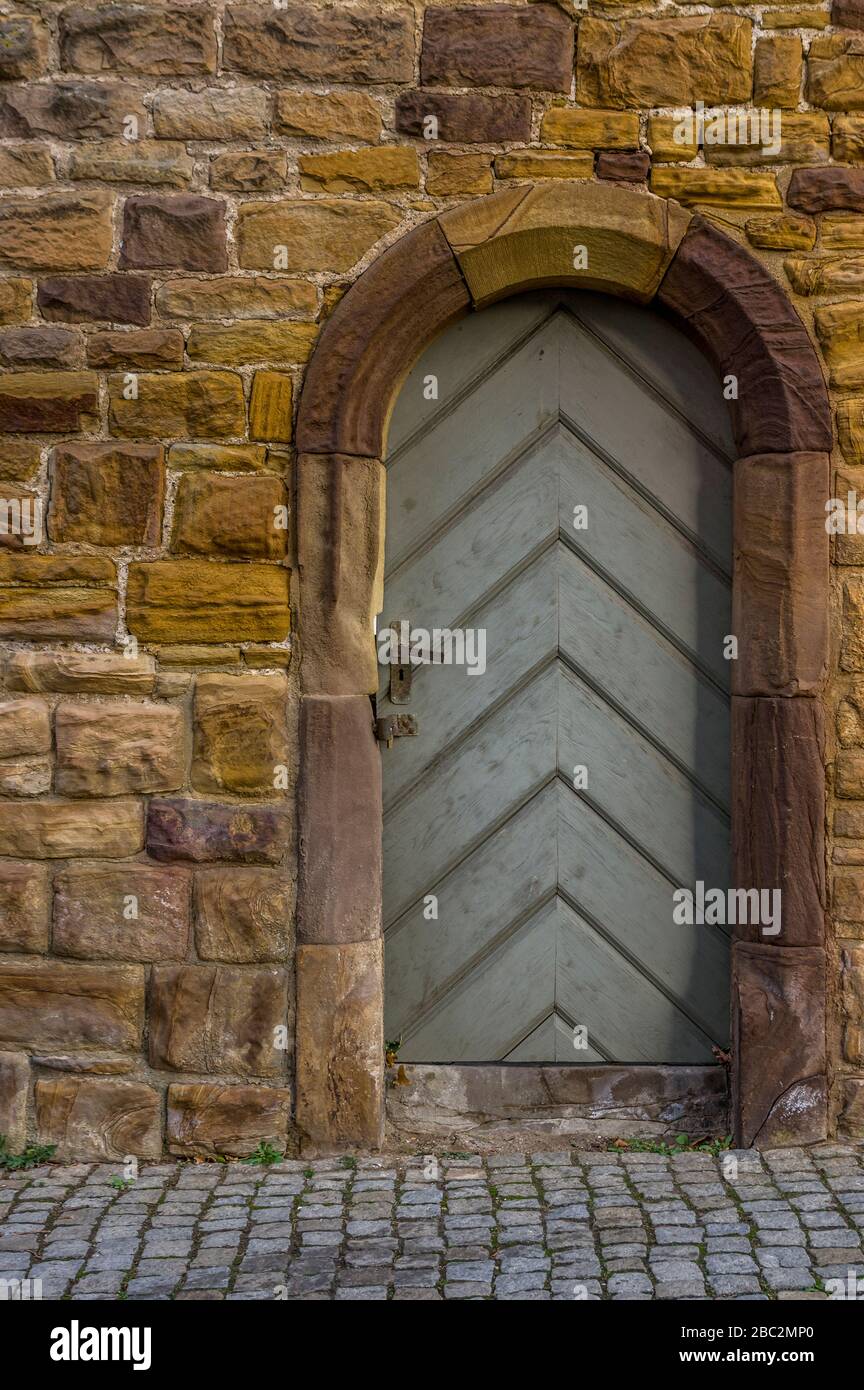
{"x":650,"y":250}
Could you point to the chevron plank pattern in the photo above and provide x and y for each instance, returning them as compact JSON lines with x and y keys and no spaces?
{"x":604,"y":652}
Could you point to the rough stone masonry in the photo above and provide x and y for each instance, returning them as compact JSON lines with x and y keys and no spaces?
{"x":187,"y":191}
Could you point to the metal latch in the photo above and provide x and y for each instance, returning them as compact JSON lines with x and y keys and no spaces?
{"x":400,"y":672}
{"x":390,"y":726}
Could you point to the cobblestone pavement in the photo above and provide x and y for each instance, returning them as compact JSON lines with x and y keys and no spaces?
{"x":534,"y":1226}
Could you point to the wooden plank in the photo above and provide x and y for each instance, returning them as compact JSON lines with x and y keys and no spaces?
{"x":552,"y":1041}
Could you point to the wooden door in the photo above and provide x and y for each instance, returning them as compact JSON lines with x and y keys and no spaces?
{"x":538,"y":825}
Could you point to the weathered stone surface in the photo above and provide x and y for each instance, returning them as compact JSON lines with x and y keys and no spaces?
{"x":60,"y":1004}
{"x":57,"y":598}
{"x":57,"y":232}
{"x":848,"y":13}
{"x":212,"y":1018}
{"x":25,"y":908}
{"x":850,"y":427}
{"x":313,"y":234}
{"x":497,"y":46}
{"x":590,"y":130}
{"x":246,"y":297}
{"x":68,"y":110}
{"x":450,"y":175}
{"x":339,"y":890}
{"x":19,"y":460}
{"x":852,"y":627}
{"x":133,"y":912}
{"x":664,"y":137}
{"x":411,"y":292}
{"x":15,"y":299}
{"x":109,"y":750}
{"x":668,"y":62}
{"x":465,"y":117}
{"x":251,"y":340}
{"x":850,"y":717}
{"x":802,"y":138}
{"x":340,"y":505}
{"x":716,"y":187}
{"x":525,"y":237}
{"x":84,"y":673}
{"x":778,"y":835}
{"x":207,"y":405}
{"x":14,"y":1085}
{"x":151,"y":348}
{"x":177,"y":232}
{"x":40,"y":347}
{"x":851,"y":1118}
{"x":778,"y":1039}
{"x":174,"y":42}
{"x":24,"y":727}
{"x":340,"y":1044}
{"x":70,"y":829}
{"x":852,"y":1004}
{"x":107,"y":494}
{"x":189,"y":655}
{"x":208,"y":1119}
{"x":23,"y":48}
{"x":234,"y":458}
{"x":544,"y":164}
{"x":847,"y":139}
{"x":744,"y":321}
{"x":849,"y":775}
{"x":158,"y":162}
{"x":780,"y":587}
{"x":197,"y":600}
{"x":327,"y":115}
{"x":267,"y":657}
{"x":777,"y":71}
{"x":25,"y":166}
{"x":630,"y":166}
{"x":241,"y":734}
{"x":831,"y":275}
{"x":840,"y":330}
{"x":271,"y":407}
{"x":49,"y":402}
{"x":95,"y":298}
{"x":332,"y":43}
{"x":827,"y":190}
{"x":95,"y":1120}
{"x":360,"y":171}
{"x":835,"y":72}
{"x":249,"y":171}
{"x":242,"y":518}
{"x":244,"y":915}
{"x":237,"y":113}
{"x":203,"y":831}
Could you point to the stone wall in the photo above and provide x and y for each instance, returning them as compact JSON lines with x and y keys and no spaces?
{"x":187,"y":190}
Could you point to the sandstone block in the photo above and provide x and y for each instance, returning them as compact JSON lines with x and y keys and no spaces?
{"x":23,"y":48}
{"x":72,"y":1005}
{"x":204,"y":831}
{"x":310,"y":234}
{"x":241,"y":734}
{"x":664,"y":62}
{"x":149,"y":349}
{"x":451,"y":175}
{"x":95,"y":298}
{"x":198,"y":600}
{"x":91,"y":1120}
{"x":58,"y":232}
{"x":835,"y":72}
{"x":175,"y":42}
{"x":465,"y":118}
{"x":249,"y":171}
{"x":240,"y":518}
{"x":49,"y":402}
{"x":14,"y":1087}
{"x":15,"y":300}
{"x":215,"y":1018}
{"x":497,"y":46}
{"x":131,"y":912}
{"x":840,"y":330}
{"x":238,"y":113}
{"x":197,"y":404}
{"x":233,"y":458}
{"x":41,"y":346}
{"x":80,"y":673}
{"x":249,"y":297}
{"x":68,"y":110}
{"x":211,"y":1120}
{"x":327,"y":116}
{"x":25,"y":166}
{"x":24,"y":727}
{"x":778,"y":68}
{"x":157,"y":162}
{"x":360,"y":45}
{"x":57,"y":598}
{"x":25,"y":908}
{"x":544,"y":164}
{"x":251,"y":340}
{"x":271,"y":406}
{"x":360,"y":171}
{"x":107,"y":494}
{"x":244,"y":915}
{"x":590,"y":130}
{"x":110,"y":750}
{"x":174,"y":231}
{"x":783,"y":231}
{"x":716,"y":187}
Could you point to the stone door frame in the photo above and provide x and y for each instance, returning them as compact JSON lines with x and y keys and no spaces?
{"x":583,"y":235}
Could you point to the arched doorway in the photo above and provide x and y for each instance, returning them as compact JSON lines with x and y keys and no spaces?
{"x":641,"y":248}
{"x":559,"y":530}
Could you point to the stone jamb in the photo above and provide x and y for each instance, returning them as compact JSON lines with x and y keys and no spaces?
{"x":646,"y":249}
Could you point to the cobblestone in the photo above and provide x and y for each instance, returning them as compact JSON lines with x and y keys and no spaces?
{"x":568,"y":1225}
